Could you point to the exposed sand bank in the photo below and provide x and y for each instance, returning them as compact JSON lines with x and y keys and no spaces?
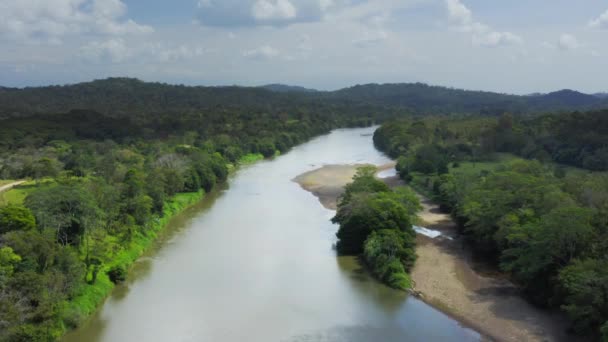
{"x":445,"y":275}
{"x":327,"y":183}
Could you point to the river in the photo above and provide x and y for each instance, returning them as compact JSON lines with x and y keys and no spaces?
{"x":254,"y":262}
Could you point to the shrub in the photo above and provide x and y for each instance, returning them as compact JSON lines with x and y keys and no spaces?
{"x":117,"y":274}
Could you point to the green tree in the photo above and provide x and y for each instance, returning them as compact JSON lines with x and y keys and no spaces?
{"x":15,"y":217}
{"x":364,"y":181}
{"x":540,"y":249}
{"x":390,"y":254}
{"x":585,"y":283}
{"x":8,"y":260}
{"x":365,"y":213}
{"x":69,"y":211}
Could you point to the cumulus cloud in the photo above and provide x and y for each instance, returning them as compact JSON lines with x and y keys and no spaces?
{"x":231,"y":13}
{"x":458,"y":13}
{"x":568,"y":42}
{"x":600,"y":22}
{"x":117,"y":50}
{"x":273,"y":10}
{"x":182,"y":52}
{"x":262,"y":52}
{"x":461,"y":18}
{"x":112,"y":50}
{"x":50,"y":20}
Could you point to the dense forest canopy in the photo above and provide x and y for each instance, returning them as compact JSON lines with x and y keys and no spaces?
{"x":527,"y":194}
{"x":119,"y":97}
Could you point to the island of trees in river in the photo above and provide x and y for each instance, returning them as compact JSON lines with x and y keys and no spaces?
{"x":108,"y":162}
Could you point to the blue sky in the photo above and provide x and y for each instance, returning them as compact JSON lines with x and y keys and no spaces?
{"x":511,"y":46}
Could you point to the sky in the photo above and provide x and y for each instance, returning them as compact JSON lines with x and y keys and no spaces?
{"x":514,"y":46}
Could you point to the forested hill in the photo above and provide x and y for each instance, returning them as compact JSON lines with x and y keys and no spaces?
{"x":138,"y":100}
{"x":426,"y":99}
{"x":124,"y":96}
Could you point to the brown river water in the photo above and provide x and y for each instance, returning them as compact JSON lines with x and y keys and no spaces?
{"x":254,"y":262}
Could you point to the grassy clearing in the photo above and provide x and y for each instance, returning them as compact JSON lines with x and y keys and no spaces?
{"x":18,"y":194}
{"x":475,"y":168}
{"x":90,"y":296}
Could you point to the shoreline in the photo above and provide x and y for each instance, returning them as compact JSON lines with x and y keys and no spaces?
{"x":93,"y":296}
{"x":445,"y":275}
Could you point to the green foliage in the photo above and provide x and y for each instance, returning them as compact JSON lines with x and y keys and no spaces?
{"x":15,"y":217}
{"x":544,"y":224}
{"x":68,"y":210}
{"x":364,"y":181}
{"x":117,"y":274}
{"x":365,"y":213}
{"x":585,"y":284}
{"x":8,"y":260}
{"x":250,"y":158}
{"x":376,"y":222}
{"x":390,"y":254}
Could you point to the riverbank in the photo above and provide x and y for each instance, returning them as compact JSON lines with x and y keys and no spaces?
{"x":445,"y":275}
{"x":91,"y":296}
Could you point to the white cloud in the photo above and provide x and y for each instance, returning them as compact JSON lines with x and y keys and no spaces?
{"x":482,"y":35}
{"x":117,"y":50}
{"x":235,"y":13}
{"x":458,"y":13}
{"x":262,"y":52}
{"x":568,"y":42}
{"x":492,"y":38}
{"x":50,"y":20}
{"x":183,"y":52}
{"x":113,"y":50}
{"x":273,"y":10}
{"x":600,"y":22}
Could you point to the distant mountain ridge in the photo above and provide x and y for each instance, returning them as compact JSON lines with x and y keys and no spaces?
{"x":423,"y":98}
{"x":601,"y":95}
{"x":566,"y":97}
{"x":120,"y":97}
{"x":284,"y":88}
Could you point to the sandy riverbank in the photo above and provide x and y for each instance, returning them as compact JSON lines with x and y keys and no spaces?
{"x":445,"y":275}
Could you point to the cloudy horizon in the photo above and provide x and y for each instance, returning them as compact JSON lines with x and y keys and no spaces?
{"x":515,"y":48}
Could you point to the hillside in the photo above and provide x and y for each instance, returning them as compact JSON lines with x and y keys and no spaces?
{"x":145,"y":101}
{"x":426,"y":99}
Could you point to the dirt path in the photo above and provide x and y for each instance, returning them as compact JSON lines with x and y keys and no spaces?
{"x":445,"y":275}
{"x":9,"y":186}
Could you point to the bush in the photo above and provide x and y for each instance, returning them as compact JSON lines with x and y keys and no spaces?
{"x":117,"y":274}
{"x":390,"y":253}
{"x":366,"y":213}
